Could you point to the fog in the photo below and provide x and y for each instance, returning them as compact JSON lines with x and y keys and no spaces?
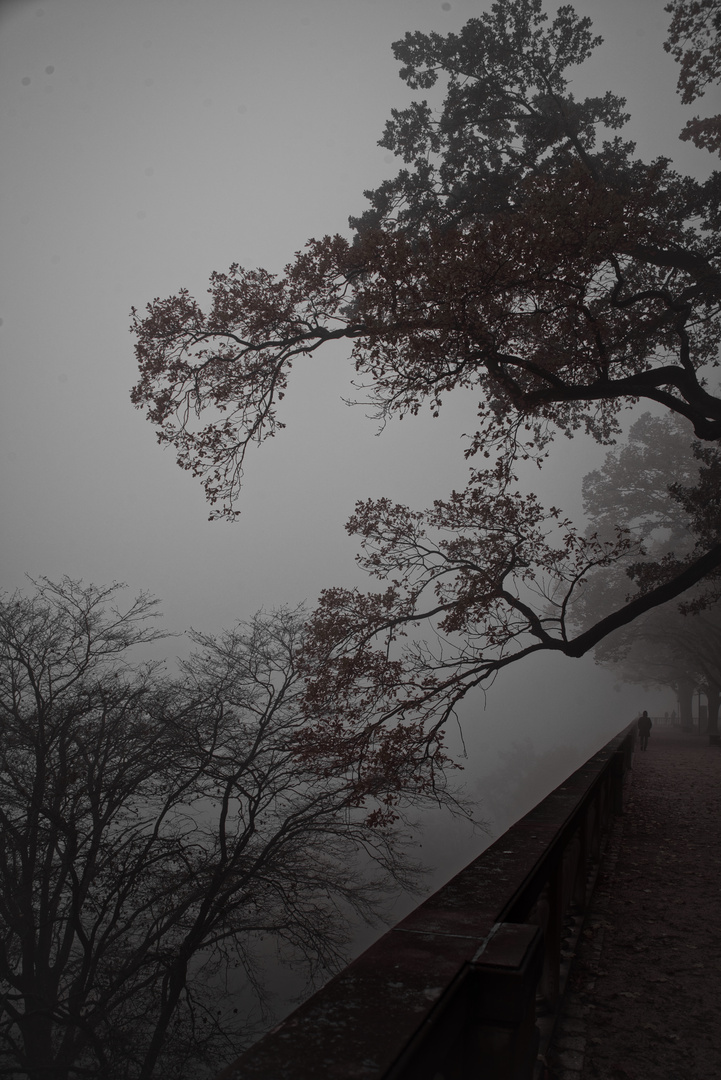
{"x":149,"y":142}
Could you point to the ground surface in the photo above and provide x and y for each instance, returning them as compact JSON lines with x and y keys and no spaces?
{"x":645,"y":988}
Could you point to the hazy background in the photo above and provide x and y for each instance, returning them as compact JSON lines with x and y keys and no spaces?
{"x":146,"y":143}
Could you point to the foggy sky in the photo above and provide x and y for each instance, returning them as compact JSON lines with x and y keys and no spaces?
{"x":146,"y":143}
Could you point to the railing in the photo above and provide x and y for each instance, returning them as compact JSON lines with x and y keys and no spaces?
{"x":469,"y":984}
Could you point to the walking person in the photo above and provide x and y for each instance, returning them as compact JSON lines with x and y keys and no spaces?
{"x":644,"y":728}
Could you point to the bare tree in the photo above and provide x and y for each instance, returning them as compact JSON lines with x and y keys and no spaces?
{"x":153,"y":830}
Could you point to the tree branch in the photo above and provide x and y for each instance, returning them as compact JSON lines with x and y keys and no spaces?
{"x":693,"y":573}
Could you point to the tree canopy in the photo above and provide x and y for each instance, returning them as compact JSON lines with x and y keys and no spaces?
{"x":694,"y":40}
{"x":633,"y":486}
{"x":659,"y":486}
{"x":524,"y":253}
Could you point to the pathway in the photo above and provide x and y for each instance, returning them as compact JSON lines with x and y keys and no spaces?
{"x":644,"y":994}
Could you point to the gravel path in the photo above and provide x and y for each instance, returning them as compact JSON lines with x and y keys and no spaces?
{"x":644,"y":999}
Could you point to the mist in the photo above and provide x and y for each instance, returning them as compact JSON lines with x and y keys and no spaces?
{"x":150,"y":142}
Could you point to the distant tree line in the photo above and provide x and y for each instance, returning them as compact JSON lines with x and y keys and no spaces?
{"x":664,"y":490}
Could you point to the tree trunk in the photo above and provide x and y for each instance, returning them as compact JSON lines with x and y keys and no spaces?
{"x":175,"y":982}
{"x":38,"y":1058}
{"x":713,"y":694}
{"x":685,"y":689}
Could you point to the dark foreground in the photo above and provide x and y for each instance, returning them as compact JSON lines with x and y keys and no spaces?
{"x":644,"y":1000}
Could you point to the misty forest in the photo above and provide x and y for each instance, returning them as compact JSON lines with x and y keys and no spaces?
{"x":172,"y":829}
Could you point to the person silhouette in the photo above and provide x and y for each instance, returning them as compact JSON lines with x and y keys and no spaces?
{"x":644,"y":728}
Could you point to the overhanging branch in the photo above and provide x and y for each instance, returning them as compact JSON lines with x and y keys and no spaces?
{"x":693,"y":573}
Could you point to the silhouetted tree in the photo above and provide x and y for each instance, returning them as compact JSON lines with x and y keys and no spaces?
{"x":666,"y":648}
{"x":153,"y":831}
{"x":656,"y":487}
{"x":523,"y":253}
{"x":633,"y":487}
{"x":694,"y":40}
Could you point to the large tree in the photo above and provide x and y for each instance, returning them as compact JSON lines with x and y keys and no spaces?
{"x":153,"y":831}
{"x":661,"y":487}
{"x":633,"y":488}
{"x":667,"y":648}
{"x":524,"y":253}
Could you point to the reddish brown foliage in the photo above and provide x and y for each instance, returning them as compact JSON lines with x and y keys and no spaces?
{"x":694,"y":40}
{"x":557,"y":280}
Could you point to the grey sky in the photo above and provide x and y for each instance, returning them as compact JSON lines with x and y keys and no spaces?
{"x":146,"y":143}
